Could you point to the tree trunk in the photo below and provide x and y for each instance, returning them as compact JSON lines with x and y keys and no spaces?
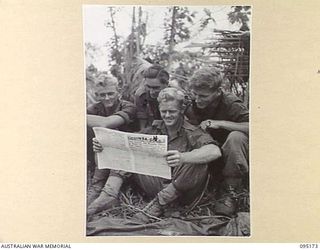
{"x":138,"y":32}
{"x":116,"y":42}
{"x":172,"y":34}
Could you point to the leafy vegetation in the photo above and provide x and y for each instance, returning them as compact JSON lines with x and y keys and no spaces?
{"x":227,"y":50}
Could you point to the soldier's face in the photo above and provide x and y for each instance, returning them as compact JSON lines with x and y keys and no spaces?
{"x":154,"y":86}
{"x":170,"y":112}
{"x":108,"y":95}
{"x":204,"y":97}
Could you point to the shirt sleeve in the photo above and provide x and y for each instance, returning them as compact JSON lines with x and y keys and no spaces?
{"x":94,"y":109}
{"x":199,"y":138}
{"x":238,"y":112}
{"x":127,"y":112}
{"x":141,"y":105}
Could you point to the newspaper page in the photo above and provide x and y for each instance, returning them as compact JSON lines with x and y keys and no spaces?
{"x":132,"y":152}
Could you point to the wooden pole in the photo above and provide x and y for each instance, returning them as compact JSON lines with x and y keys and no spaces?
{"x":172,"y":34}
{"x":138,"y":32}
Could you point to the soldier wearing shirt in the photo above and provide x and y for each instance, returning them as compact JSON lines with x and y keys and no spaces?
{"x":190,"y":149}
{"x":225,"y":117}
{"x":109,"y":112}
{"x":156,"y":79}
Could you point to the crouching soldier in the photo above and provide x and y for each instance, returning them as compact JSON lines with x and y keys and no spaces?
{"x":190,"y":149}
{"x":156,"y":79}
{"x":226,"y":118}
{"x":109,"y":112}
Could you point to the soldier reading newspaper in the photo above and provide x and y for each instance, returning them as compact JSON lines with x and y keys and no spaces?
{"x":189,"y":151}
{"x":135,"y":153}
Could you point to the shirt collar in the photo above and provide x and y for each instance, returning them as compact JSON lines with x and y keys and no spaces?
{"x":161,"y":127}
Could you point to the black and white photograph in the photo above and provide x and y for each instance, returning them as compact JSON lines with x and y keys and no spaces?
{"x":167,"y":120}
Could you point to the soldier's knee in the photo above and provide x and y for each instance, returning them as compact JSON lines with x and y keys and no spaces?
{"x":184,"y":183}
{"x":236,"y":138}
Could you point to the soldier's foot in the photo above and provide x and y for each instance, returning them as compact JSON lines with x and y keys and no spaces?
{"x":151,"y":211}
{"x":227,"y":202}
{"x":103,"y":202}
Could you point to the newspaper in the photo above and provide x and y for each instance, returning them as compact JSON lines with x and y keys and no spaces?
{"x":132,"y":152}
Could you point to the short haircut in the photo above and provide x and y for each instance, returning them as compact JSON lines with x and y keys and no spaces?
{"x":89,"y":78}
{"x":171,"y":94}
{"x":206,"y":78}
{"x":157,"y":72}
{"x":104,"y":80}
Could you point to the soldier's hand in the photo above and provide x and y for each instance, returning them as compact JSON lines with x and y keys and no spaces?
{"x":210,"y":124}
{"x":174,"y":158}
{"x":97,"y":147}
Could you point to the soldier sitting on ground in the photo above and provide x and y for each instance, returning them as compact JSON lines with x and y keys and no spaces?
{"x":156,"y":79}
{"x":109,"y":112}
{"x":190,"y":149}
{"x":226,"y":118}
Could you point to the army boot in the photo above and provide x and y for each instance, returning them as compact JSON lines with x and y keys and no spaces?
{"x":93,"y":192}
{"x":103,"y":202}
{"x":153,"y":209}
{"x":108,"y":196}
{"x":227,"y":202}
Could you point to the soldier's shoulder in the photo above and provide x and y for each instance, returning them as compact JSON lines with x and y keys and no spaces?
{"x":188,"y":126}
{"x":230,"y":98}
{"x":126,"y":103}
{"x":141,"y":91}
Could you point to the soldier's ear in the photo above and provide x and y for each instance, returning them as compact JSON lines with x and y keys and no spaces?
{"x":183,"y":108}
{"x":219,"y":90}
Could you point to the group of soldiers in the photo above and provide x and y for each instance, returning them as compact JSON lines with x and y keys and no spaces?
{"x":207,"y":131}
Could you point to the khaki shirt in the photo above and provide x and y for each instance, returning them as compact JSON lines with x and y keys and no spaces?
{"x":230,"y":108}
{"x":189,"y":137}
{"x":125,"y":109}
{"x":147,"y":107}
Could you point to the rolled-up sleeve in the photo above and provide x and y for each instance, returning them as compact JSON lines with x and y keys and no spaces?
{"x":199,"y":138}
{"x":238,"y":112}
{"x":127,"y":111}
